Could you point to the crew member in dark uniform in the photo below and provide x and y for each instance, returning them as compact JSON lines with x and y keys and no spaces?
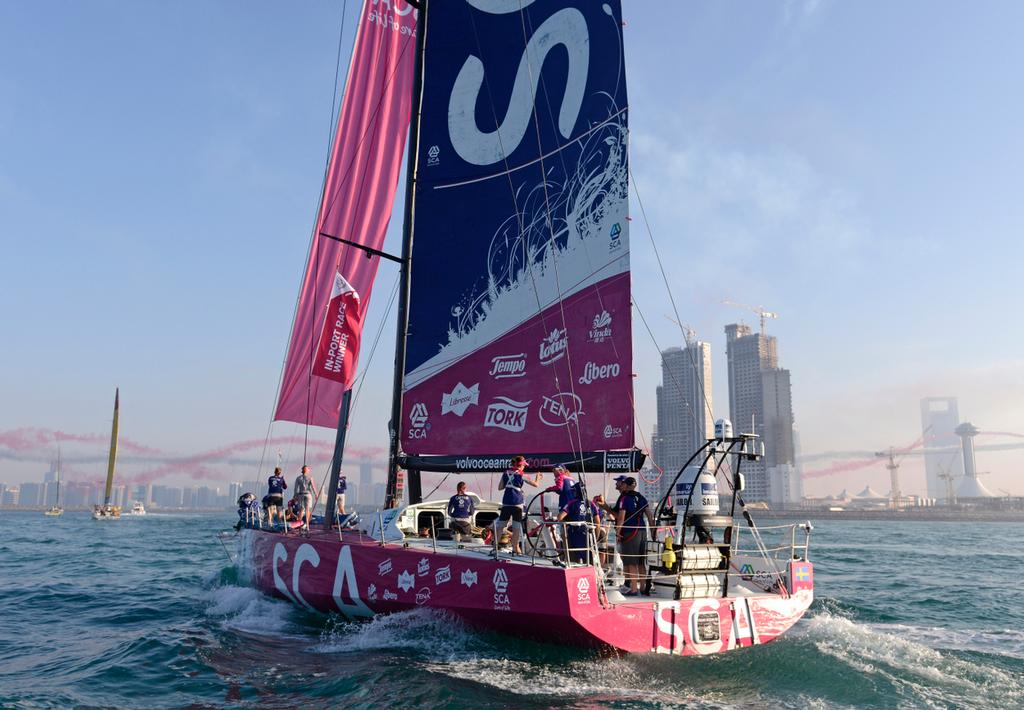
{"x":460,"y":510}
{"x":276,"y":486}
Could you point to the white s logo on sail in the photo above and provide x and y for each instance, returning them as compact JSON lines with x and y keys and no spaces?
{"x":566,"y":27}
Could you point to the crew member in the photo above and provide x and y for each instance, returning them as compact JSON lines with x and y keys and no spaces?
{"x":305,"y":491}
{"x":564,"y":486}
{"x":293,"y":511}
{"x":630,"y":511}
{"x":512,"y":503}
{"x":276,"y":486}
{"x":460,"y":510}
{"x":582,"y":513}
{"x":600,"y":530}
{"x":339,"y":498}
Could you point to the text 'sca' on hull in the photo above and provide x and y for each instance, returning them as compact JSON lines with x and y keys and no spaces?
{"x":358,"y":577}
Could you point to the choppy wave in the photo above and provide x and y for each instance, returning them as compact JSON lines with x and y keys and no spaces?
{"x":901,"y":661}
{"x":153,"y":615}
{"x":245,"y":609}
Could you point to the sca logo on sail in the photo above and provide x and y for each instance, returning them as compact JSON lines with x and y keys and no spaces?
{"x":418,"y":425}
{"x":614,"y":238}
{"x":501,"y":597}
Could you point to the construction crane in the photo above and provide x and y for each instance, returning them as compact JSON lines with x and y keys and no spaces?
{"x":759,"y":310}
{"x":947,"y":477}
{"x":893,"y":465}
{"x":894,"y":475}
{"x":689,"y":334}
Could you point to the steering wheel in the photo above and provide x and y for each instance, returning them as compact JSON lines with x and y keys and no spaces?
{"x":540,"y":514}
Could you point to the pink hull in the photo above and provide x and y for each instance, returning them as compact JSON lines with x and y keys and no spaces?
{"x":359,"y":577}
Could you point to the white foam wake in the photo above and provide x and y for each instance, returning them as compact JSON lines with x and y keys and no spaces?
{"x":902,"y":657}
{"x":428,"y":631}
{"x":249,"y":610}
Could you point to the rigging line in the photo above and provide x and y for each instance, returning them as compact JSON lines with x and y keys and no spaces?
{"x":664,"y":362}
{"x":511,"y":169}
{"x":528,"y":256}
{"x":321,"y":212}
{"x":427,"y":497}
{"x":565,"y":168}
{"x":661,"y":267}
{"x":373,"y":348}
{"x":553,"y":251}
{"x":368,"y":155}
{"x":312,"y":352}
{"x":372,"y":120}
{"x":270,"y":424}
{"x":347,"y":172}
{"x":643,"y":440}
{"x":323,"y":183}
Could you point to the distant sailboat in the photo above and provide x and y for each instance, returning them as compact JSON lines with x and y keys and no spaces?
{"x":55,"y":510}
{"x":108,"y":511}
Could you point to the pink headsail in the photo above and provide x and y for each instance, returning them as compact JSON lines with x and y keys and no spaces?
{"x":356,"y":205}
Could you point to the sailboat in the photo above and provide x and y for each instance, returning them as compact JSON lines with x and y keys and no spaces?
{"x":108,"y":511}
{"x":56,"y":510}
{"x":513,"y":337}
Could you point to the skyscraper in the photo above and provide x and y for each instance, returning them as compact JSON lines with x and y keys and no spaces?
{"x":760,"y":402}
{"x":778,"y":417}
{"x":942,"y":459}
{"x":365,"y":484}
{"x":685,"y":417}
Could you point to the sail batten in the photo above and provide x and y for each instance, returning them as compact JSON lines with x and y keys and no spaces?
{"x":355,"y":205}
{"x":519,"y":315}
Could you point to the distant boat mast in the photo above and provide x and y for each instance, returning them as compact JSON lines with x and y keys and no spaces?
{"x":113,"y":450}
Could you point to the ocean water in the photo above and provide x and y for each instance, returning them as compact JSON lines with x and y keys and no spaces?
{"x":147,"y":612}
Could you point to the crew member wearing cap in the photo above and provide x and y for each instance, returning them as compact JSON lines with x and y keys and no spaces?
{"x":619,"y":488}
{"x":564,"y":486}
{"x":630,"y":532}
{"x":513,"y":502}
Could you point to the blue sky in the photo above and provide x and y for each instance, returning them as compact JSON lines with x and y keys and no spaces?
{"x":853,"y":166}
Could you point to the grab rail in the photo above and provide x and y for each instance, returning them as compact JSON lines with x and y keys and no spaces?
{"x":791,"y":548}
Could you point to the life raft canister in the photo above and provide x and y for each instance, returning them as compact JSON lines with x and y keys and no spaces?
{"x":704,"y":500}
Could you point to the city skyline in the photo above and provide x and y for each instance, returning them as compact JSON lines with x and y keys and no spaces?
{"x":871,"y":473}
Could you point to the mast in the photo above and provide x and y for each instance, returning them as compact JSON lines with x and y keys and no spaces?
{"x":406,"y":265}
{"x":56,"y":502}
{"x":113,"y":450}
{"x":339,"y":451}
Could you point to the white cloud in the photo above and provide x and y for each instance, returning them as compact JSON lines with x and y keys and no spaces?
{"x":768,"y":208}
{"x":800,"y":13}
